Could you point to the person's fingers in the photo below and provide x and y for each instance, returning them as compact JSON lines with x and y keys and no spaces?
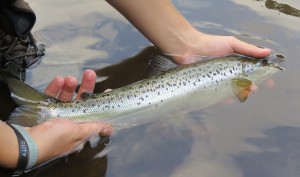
{"x":60,"y":136}
{"x":89,"y":129}
{"x":55,"y":86}
{"x":244,"y":48}
{"x":67,"y":92}
{"x":88,"y":82}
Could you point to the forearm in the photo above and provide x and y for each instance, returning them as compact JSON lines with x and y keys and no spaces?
{"x":8,"y":146}
{"x":160,"y":22}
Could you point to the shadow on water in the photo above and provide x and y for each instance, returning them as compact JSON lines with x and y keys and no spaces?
{"x":126,"y":72}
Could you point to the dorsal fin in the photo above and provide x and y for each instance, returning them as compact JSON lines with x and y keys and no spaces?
{"x":160,"y":64}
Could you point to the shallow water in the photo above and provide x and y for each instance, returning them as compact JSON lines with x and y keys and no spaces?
{"x":260,"y":137}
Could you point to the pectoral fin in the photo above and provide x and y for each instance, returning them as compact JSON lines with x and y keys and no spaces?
{"x":241,"y":88}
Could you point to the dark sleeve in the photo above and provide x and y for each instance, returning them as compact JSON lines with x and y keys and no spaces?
{"x":5,"y":3}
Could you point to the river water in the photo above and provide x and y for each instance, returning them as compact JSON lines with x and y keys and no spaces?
{"x":258,"y":138}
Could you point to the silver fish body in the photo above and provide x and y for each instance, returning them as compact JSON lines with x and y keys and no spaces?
{"x":205,"y":82}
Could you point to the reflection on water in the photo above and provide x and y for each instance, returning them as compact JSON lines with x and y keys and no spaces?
{"x":277,"y":149}
{"x":258,"y":138}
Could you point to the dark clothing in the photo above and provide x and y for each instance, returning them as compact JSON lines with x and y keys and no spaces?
{"x":5,"y":3}
{"x":18,"y":49}
{"x":16,"y":18}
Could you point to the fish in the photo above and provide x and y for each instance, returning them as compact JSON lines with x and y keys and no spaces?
{"x":167,"y":86}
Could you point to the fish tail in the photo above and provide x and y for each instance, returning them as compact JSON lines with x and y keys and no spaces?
{"x":25,"y":115}
{"x":27,"y":98}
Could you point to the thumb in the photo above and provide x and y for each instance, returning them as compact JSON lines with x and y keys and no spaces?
{"x":89,"y":129}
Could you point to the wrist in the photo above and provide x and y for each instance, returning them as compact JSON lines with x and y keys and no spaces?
{"x":9,"y":147}
{"x":182,"y":44}
{"x":18,"y":149}
{"x":28,"y":150}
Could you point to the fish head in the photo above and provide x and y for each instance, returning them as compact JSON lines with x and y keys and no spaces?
{"x":260,"y":69}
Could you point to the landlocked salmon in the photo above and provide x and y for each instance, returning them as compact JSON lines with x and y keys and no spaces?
{"x":205,"y":82}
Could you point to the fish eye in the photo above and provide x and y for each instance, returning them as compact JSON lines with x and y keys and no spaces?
{"x":264,"y":62}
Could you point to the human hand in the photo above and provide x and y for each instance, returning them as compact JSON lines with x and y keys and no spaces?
{"x":61,"y":136}
{"x":174,"y":35}
{"x":205,"y":45}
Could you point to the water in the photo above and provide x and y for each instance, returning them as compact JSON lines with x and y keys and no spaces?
{"x":260,"y":137}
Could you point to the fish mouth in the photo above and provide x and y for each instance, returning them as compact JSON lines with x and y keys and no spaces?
{"x":273,"y":62}
{"x":275,"y":65}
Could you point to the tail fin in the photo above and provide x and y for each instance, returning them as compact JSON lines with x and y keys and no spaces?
{"x":22,"y":91}
{"x":28,"y":99}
